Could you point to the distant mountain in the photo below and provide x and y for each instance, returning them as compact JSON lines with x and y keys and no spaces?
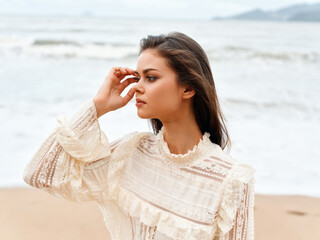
{"x":297,"y":12}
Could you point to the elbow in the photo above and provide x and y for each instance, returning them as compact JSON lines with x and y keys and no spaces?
{"x":27,"y":177}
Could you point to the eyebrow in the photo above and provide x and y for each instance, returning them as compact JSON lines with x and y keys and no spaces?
{"x":146,"y":70}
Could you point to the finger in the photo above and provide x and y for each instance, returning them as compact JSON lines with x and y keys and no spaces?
{"x":127,"y":82}
{"x":130,"y":71}
{"x":129,"y":95}
{"x":116,"y":69}
{"x":123,"y":71}
{"x":117,"y":73}
{"x":126,"y":72}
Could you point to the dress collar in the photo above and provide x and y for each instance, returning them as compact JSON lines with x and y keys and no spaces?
{"x":203,"y":148}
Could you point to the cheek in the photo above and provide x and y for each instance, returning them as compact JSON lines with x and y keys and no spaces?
{"x":164,"y":97}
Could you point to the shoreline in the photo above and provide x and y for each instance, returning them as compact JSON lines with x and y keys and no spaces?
{"x":29,"y":213}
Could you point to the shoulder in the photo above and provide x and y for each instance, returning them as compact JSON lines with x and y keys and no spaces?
{"x":218,"y":153}
{"x":132,"y":138}
{"x":136,"y":135}
{"x":222,"y":167}
{"x":128,"y":142}
{"x":236,"y":169}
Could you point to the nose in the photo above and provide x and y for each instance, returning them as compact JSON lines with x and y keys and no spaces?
{"x":138,"y":88}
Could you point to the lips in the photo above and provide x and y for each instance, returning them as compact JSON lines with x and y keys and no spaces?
{"x":139,"y":100}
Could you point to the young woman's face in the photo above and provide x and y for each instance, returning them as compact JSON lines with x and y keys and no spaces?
{"x":157,"y":86}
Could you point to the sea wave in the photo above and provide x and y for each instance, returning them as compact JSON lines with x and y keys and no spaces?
{"x":53,"y":48}
{"x":238,"y":52}
{"x":280,"y":104}
{"x":55,"y":42}
{"x":64,"y":48}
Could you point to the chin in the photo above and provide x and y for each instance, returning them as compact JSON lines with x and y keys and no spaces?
{"x":143,"y":115}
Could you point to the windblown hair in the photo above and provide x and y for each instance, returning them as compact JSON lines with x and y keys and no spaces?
{"x":187,"y":58}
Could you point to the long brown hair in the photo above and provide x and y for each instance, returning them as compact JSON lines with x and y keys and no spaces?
{"x":187,"y":58}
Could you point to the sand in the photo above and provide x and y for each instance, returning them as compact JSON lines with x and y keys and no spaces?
{"x":28,"y":213}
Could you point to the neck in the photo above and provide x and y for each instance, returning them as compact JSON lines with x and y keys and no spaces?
{"x":182,"y":134}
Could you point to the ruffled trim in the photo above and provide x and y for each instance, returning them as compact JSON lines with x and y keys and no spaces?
{"x":167,"y":223}
{"x":233,"y":187}
{"x":191,"y":155}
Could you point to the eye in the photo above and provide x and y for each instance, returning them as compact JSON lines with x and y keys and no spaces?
{"x":151,"y":78}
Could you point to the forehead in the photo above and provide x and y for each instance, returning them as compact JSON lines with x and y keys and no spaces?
{"x":150,"y":58}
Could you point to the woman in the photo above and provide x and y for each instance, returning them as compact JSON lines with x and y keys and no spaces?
{"x":175,"y":183}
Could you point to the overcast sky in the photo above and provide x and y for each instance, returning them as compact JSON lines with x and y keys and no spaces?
{"x":170,"y":9}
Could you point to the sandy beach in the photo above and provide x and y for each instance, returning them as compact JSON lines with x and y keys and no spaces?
{"x":31,"y":214}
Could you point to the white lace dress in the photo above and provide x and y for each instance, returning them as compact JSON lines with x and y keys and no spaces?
{"x":144,"y":191}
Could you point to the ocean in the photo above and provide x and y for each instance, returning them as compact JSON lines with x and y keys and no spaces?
{"x":266,"y":75}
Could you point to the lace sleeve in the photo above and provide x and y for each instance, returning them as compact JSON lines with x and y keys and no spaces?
{"x":243,"y":226}
{"x":236,"y":212}
{"x":72,"y":162}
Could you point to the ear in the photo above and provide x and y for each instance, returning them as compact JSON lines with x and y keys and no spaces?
{"x":188,"y":92}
